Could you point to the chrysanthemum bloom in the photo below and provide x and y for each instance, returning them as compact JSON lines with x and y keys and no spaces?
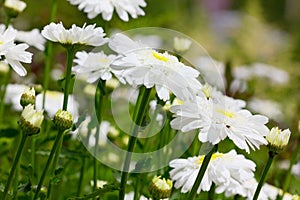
{"x":278,"y":139}
{"x":182,"y":44}
{"x":87,"y":35}
{"x":141,"y":65}
{"x":28,"y":97}
{"x":160,"y":188}
{"x":11,"y":53}
{"x":106,"y":8}
{"x":228,"y":171}
{"x":96,"y":65}
{"x":31,"y":120}
{"x":14,"y":7}
{"x":218,"y":117}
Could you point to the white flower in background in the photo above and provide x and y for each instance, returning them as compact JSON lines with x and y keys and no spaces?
{"x":87,"y":35}
{"x":153,"y":41}
{"x":15,"y":5}
{"x":13,"y":54}
{"x":285,"y":165}
{"x":100,"y":183}
{"x":130,"y":196}
{"x":107,"y":7}
{"x":140,"y":65}
{"x":13,"y":95}
{"x":212,"y":71}
{"x":278,"y":139}
{"x":219,"y":117}
{"x":269,"y":108}
{"x":228,"y":171}
{"x":32,"y":38}
{"x":182,"y":44}
{"x":96,"y":65}
{"x":273,"y":73}
{"x":4,"y":68}
{"x":54,"y":102}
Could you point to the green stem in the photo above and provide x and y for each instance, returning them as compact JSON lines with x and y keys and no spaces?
{"x":33,"y":144}
{"x":50,"y":158}
{"x":262,"y":179}
{"x":289,"y":172}
{"x":202,"y":170}
{"x":2,"y":95}
{"x":14,"y":166}
{"x":138,"y":115}
{"x":80,"y":182}
{"x":99,"y":102}
{"x":211,"y":192}
{"x":70,"y":56}
{"x":48,"y":53}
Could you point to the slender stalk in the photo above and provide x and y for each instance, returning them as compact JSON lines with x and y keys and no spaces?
{"x":262,"y":178}
{"x":48,"y":52}
{"x":50,"y":158}
{"x":99,"y":102}
{"x":138,"y":115}
{"x":211,"y":193}
{"x":81,"y":177}
{"x":200,"y":175}
{"x":70,"y":56}
{"x":15,"y":164}
{"x":3,"y":92}
{"x":33,"y":144}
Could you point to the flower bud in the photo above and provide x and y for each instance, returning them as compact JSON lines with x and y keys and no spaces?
{"x":278,"y":139}
{"x":181,"y":45}
{"x":63,"y":120}
{"x":14,"y":7}
{"x":160,"y":188}
{"x":28,"y":97}
{"x":31,"y":120}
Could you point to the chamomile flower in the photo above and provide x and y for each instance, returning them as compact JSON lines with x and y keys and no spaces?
{"x":13,"y":53}
{"x":140,"y":65}
{"x":278,"y":139}
{"x":87,"y":35}
{"x":13,"y":95}
{"x":227,"y":170}
{"x":219,"y":117}
{"x":107,"y":7}
{"x":96,"y":65}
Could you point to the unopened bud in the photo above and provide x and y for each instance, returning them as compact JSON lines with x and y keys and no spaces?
{"x":14,"y":7}
{"x":31,"y":120}
{"x":63,"y":120}
{"x":181,"y":45}
{"x":160,"y":188}
{"x":28,"y":97}
{"x":278,"y":139}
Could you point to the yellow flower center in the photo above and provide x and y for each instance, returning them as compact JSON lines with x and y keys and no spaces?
{"x":103,"y":60}
{"x":213,"y":157}
{"x":159,"y":56}
{"x":226,"y":113}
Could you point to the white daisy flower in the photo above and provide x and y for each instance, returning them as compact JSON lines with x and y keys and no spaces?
{"x":228,"y":171}
{"x":54,"y":102}
{"x":219,"y":117}
{"x":87,"y":35}
{"x":32,"y":38}
{"x":182,"y":44}
{"x":96,"y":65}
{"x":13,"y":53}
{"x":266,"y":107}
{"x":15,"y":5}
{"x":140,"y":65}
{"x":106,"y":8}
